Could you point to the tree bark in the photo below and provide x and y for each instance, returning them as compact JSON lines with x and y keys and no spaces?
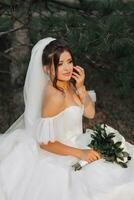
{"x":19,"y":52}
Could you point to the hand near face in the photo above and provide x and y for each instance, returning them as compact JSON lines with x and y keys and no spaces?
{"x":79,"y":77}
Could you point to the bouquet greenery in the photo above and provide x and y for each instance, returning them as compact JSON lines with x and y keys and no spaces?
{"x":105,"y":144}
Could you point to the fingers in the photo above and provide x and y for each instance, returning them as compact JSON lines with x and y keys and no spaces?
{"x":76,"y":78}
{"x":79,"y":69}
{"x":89,"y":161}
{"x":79,"y":76}
{"x":93,"y":155}
{"x":97,"y":155}
{"x":93,"y":158}
{"x":76,"y":74}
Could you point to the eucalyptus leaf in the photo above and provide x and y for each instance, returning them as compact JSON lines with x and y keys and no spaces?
{"x":111,"y":135}
{"x":124,"y":165}
{"x":117,"y":144}
{"x":125,"y":154}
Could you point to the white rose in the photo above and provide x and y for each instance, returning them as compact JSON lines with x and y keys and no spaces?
{"x":125,"y":159}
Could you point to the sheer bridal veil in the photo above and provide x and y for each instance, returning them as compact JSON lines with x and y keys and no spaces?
{"x":34,"y":86}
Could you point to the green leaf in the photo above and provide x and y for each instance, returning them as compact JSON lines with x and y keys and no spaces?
{"x":125,"y":154}
{"x":93,"y":136}
{"x":110,"y":158}
{"x":111,"y":135}
{"x":124,"y":165}
{"x":119,"y":150}
{"x":77,"y":166}
{"x":117,"y":144}
{"x":119,"y":155}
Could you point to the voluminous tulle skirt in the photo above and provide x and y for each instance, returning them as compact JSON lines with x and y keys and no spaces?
{"x":28,"y":172}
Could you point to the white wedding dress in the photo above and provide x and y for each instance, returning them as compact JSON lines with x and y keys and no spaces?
{"x":28,"y":172}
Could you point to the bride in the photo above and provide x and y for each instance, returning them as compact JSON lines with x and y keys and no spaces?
{"x":37,"y":152}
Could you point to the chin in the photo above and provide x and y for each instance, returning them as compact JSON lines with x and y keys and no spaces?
{"x":65,"y":78}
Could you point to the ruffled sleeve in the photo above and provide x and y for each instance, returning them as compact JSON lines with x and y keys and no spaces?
{"x":44,"y":130}
{"x":92,"y":94}
{"x":48,"y":129}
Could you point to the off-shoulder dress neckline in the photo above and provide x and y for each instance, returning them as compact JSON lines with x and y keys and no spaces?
{"x":81,"y":107}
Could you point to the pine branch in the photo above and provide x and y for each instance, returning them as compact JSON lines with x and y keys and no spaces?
{"x":17,"y":46}
{"x":11,"y":30}
{"x":8,"y":57}
{"x":66,"y":4}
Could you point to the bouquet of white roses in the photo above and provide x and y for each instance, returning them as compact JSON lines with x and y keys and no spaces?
{"x":110,"y":144}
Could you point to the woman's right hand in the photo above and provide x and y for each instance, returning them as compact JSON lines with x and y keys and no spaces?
{"x":89,"y":155}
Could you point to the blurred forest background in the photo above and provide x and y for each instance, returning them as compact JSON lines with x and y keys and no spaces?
{"x":101,"y":36}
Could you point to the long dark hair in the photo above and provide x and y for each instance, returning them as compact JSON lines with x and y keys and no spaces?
{"x":51,"y":54}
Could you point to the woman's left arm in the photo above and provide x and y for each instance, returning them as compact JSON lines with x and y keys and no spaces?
{"x":89,"y":105}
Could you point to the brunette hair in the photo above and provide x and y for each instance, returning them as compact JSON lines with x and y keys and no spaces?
{"x":51,"y":54}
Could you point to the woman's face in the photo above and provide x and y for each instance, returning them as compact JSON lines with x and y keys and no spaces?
{"x":65,"y":67}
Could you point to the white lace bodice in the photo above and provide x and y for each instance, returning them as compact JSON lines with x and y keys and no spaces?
{"x":63,"y":127}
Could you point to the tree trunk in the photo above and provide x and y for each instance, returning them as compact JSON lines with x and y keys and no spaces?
{"x":20,"y":51}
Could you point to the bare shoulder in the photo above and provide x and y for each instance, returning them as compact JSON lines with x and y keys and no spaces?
{"x":53,"y":102}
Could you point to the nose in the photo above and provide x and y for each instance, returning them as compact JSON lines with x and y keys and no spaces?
{"x":67,"y":67}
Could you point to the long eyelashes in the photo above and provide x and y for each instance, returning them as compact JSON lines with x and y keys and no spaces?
{"x":68,"y":63}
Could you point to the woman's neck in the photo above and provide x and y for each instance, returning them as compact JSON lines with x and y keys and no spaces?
{"x":65,"y":85}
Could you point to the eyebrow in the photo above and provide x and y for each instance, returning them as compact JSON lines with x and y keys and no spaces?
{"x":67,"y":60}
